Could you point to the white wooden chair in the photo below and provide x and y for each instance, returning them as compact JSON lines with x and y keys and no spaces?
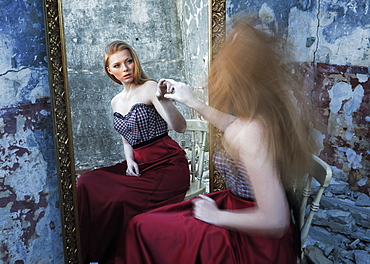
{"x":322,"y":172}
{"x":193,"y":141}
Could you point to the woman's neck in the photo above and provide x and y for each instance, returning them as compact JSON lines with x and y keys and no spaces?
{"x":129,"y":86}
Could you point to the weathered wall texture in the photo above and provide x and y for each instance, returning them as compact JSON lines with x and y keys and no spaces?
{"x":170,"y":38}
{"x":334,"y":38}
{"x":30,"y":226}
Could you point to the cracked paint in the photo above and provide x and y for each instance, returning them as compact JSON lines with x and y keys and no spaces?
{"x":352,"y":101}
{"x":28,"y":193}
{"x":29,"y":211}
{"x":344,"y":95}
{"x":352,"y":157}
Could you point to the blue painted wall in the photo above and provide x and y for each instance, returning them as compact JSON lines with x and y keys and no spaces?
{"x":281,"y":8}
{"x":29,"y":204}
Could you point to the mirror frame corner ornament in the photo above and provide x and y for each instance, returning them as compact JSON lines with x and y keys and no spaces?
{"x":59,"y":94}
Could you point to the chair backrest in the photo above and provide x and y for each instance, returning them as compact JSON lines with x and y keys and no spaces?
{"x":194,"y":141}
{"x":322,"y":173}
{"x":195,"y":148}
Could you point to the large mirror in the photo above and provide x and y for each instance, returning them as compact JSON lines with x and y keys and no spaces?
{"x":171,"y":40}
{"x":78,"y":85}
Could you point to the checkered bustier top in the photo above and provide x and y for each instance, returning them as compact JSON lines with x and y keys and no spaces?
{"x":141,"y":124}
{"x":234,"y":174}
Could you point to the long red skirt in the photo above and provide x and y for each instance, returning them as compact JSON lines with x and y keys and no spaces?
{"x":171,"y":234}
{"x":107,"y":198}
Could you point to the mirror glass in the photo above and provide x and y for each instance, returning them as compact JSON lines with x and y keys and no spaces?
{"x":179,"y":45}
{"x":171,"y":40}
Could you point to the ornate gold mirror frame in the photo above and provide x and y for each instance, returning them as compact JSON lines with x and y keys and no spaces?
{"x":58,"y":81}
{"x":217,"y":35}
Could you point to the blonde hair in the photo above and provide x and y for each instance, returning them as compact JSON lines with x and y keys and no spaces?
{"x":140,"y":76}
{"x":249,"y":79}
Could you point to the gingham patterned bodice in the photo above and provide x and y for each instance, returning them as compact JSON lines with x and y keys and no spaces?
{"x":142,"y":123}
{"x":234,"y":174}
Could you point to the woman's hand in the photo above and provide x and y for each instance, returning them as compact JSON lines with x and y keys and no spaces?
{"x":163,"y":87}
{"x":205,"y":209}
{"x":132,"y":169}
{"x":178,"y":91}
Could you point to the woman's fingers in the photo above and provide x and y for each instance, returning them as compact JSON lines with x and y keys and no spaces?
{"x":206,"y":198}
{"x":133,"y":170}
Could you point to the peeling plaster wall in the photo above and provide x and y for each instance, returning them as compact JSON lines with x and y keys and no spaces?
{"x":171,"y":40}
{"x":194,"y":22}
{"x":332,"y":37}
{"x":342,"y":94}
{"x":29,"y":209}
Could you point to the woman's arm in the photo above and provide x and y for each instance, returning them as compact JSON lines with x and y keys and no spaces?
{"x":167,"y":109}
{"x":271,"y":215}
{"x":243,"y":139}
{"x":183,"y":93}
{"x":132,"y":167}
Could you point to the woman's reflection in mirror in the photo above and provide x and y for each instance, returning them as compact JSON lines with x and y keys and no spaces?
{"x":155,"y":170}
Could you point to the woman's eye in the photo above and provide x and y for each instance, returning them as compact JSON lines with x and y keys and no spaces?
{"x":130,"y":61}
{"x":116,"y":66}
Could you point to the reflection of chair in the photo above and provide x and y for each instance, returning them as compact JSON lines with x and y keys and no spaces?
{"x":322,"y":172}
{"x":193,"y":141}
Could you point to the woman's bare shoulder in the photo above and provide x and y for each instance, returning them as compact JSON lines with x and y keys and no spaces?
{"x":150,"y":84}
{"x":243,"y":132}
{"x":149,"y":90}
{"x":148,"y":87}
{"x":115,"y":100}
{"x":244,"y":127}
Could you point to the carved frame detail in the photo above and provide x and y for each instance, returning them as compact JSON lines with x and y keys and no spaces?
{"x":58,"y":82}
{"x":217,"y":37}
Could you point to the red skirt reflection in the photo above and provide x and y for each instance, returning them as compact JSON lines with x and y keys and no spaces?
{"x":107,"y":198}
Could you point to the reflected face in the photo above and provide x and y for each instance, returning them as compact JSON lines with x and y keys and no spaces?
{"x":122,"y":66}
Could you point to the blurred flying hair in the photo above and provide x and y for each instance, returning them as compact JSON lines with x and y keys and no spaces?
{"x":140,"y":76}
{"x":252,"y":78}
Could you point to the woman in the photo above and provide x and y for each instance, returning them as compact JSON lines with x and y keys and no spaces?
{"x":155,"y":171}
{"x":266,"y":150}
